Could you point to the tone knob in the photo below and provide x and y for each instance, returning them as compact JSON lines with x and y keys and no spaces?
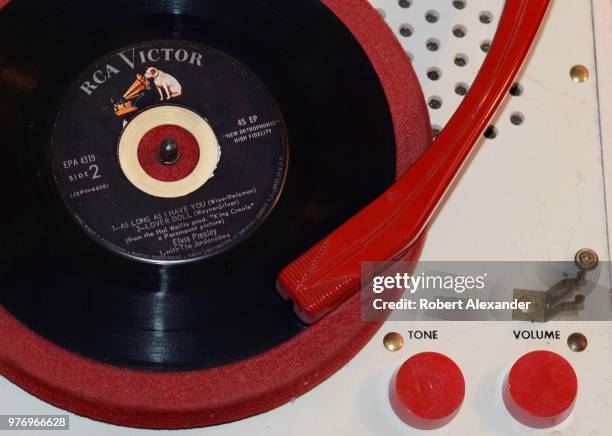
{"x":540,"y":389}
{"x":427,"y":391}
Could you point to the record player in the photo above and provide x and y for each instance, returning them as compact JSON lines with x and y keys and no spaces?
{"x":174,"y":284}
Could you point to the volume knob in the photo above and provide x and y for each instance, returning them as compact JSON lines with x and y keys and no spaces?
{"x":540,"y":390}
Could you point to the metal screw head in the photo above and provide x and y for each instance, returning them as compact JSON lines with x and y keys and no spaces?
{"x":577,"y":342}
{"x":435,"y":131}
{"x":579,"y":73}
{"x":586,"y":259}
{"x":393,"y":341}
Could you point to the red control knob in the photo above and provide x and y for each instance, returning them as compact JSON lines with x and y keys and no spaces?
{"x":540,"y":389}
{"x":427,"y":391}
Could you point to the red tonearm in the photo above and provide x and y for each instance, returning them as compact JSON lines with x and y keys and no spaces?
{"x":328,"y":273}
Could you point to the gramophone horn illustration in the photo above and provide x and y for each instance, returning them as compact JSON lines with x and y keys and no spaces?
{"x":128,"y":102}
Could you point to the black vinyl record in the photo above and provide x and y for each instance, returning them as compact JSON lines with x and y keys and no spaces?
{"x":327,"y":151}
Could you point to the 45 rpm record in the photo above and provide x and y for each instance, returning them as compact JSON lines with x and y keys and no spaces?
{"x":164,"y":160}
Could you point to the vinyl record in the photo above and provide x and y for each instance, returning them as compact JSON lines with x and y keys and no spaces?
{"x":169,"y":262}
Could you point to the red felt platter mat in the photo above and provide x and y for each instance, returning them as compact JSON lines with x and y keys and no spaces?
{"x":255,"y":385}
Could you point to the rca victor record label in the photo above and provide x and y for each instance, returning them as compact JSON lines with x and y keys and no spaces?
{"x":169,"y":151}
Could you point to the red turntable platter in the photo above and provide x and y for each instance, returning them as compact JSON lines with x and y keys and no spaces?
{"x":182,"y":399}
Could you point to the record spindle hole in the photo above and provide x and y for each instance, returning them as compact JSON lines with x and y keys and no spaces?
{"x":169,"y":151}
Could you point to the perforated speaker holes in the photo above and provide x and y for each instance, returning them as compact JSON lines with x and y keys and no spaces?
{"x":447,"y":41}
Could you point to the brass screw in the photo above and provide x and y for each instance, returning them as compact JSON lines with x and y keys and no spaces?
{"x":579,"y":73}
{"x":586,"y":259}
{"x":393,"y":341}
{"x":577,"y":342}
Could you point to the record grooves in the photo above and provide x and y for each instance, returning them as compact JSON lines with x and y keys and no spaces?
{"x":204,"y":310}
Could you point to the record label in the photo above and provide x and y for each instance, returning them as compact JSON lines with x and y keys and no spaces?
{"x":169,"y":151}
